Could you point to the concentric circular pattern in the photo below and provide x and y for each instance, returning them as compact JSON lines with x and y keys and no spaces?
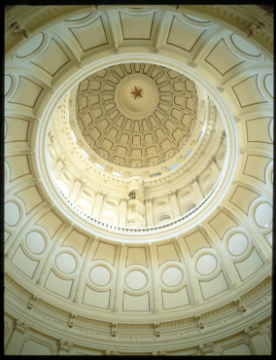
{"x":100,"y":275}
{"x":136,"y":280}
{"x":206,"y":264}
{"x":263,"y":214}
{"x":136,"y":115}
{"x":172,"y":276}
{"x":66,"y":263}
{"x":237,"y":244}
{"x":12,"y":213}
{"x":35,"y":242}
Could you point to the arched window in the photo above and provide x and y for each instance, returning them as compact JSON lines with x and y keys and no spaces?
{"x":60,"y":184}
{"x":84,"y":205}
{"x":188,"y":207}
{"x":109,"y":217}
{"x":164,"y":218}
{"x":132,"y":195}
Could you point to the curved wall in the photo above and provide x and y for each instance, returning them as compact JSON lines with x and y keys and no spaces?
{"x":213,"y":280}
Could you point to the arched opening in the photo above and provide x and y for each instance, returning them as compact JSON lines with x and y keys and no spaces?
{"x":132,"y":195}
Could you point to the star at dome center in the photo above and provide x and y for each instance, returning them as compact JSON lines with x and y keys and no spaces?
{"x":137,"y":92}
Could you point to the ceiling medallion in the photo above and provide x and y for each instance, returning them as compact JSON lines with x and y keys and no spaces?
{"x":137,"y":92}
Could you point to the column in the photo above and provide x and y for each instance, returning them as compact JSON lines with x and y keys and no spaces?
{"x":229,"y":268}
{"x":258,"y":340}
{"x":111,"y":352}
{"x":117,"y":293}
{"x":210,"y":349}
{"x":98,"y":205}
{"x":164,"y":29}
{"x":136,"y":201}
{"x":217,"y":349}
{"x":58,"y":167}
{"x":157,"y":353}
{"x":175,"y":205}
{"x":123,"y":212}
{"x":215,"y":170}
{"x":155,"y":294}
{"x":78,"y":287}
{"x":206,"y":348}
{"x":267,"y":342}
{"x":26,"y":224}
{"x":149,"y":212}
{"x":198,"y":189}
{"x":17,"y":339}
{"x":215,"y":165}
{"x":193,"y":284}
{"x":64,"y":347}
{"x":75,"y":189}
{"x":44,"y":266}
{"x":247,"y":341}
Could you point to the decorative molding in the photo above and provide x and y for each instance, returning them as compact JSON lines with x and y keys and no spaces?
{"x":225,"y":320}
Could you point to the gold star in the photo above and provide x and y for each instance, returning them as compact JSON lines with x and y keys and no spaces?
{"x":137,"y":92}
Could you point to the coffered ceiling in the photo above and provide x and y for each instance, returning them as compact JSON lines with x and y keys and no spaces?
{"x":89,"y":119}
{"x":136,"y":131}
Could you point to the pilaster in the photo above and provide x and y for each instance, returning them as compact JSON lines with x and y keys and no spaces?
{"x":17,"y":339}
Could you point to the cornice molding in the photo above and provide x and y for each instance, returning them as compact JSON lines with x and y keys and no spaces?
{"x":258,"y":298}
{"x":234,"y":17}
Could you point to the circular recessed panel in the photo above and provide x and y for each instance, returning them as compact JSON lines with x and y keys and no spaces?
{"x":237,"y":244}
{"x":8,"y":83}
{"x":137,"y":96}
{"x":244,"y":46}
{"x":66,"y":263}
{"x":100,"y":275}
{"x":136,"y":280}
{"x":12,"y":213}
{"x":31,"y":46}
{"x":263,"y":214}
{"x":172,"y":276}
{"x":269,"y":84}
{"x":35,"y":242}
{"x":206,"y":264}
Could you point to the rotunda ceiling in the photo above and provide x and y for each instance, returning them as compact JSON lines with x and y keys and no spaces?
{"x":91,"y":123}
{"x":136,"y":114}
{"x":196,"y":265}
